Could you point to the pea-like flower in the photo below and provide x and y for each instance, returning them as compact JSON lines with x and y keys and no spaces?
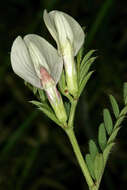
{"x":69,"y":37}
{"x":38,"y":62}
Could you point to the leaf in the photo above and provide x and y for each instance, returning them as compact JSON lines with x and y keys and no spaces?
{"x":98,"y":166}
{"x":107,"y":152}
{"x":47,"y":110}
{"x":84,"y":82}
{"x":50,"y":115}
{"x":125,"y":92}
{"x":115,"y":106}
{"x":86,"y":57}
{"x":36,"y":103}
{"x":90,"y":165}
{"x":113,"y":135}
{"x":107,"y":121}
{"x":80,"y":54}
{"x":85,"y":68}
{"x":42,"y":95}
{"x":93,"y":149}
{"x":79,"y":59}
{"x":102,"y":139}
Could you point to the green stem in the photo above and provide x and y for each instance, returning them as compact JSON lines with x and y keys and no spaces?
{"x":72,"y":113}
{"x":80,"y":159}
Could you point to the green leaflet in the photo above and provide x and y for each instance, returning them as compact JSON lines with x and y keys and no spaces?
{"x":98,"y":166}
{"x":102,"y":139}
{"x":37,"y":103}
{"x":107,"y":151}
{"x":80,"y":55}
{"x":42,"y":95}
{"x":90,"y":165}
{"x":125,"y":92}
{"x":79,"y":59}
{"x":107,"y":121}
{"x":113,"y":135}
{"x":47,"y":110}
{"x":115,"y":106}
{"x":93,"y":149}
{"x":84,"y":82}
{"x":85,"y":68}
{"x":86,"y":57}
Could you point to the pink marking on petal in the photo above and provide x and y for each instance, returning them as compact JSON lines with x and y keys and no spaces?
{"x":45,"y":76}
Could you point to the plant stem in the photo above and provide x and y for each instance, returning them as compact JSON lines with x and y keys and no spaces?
{"x":70,"y":132}
{"x":72,"y":113}
{"x":80,"y":159}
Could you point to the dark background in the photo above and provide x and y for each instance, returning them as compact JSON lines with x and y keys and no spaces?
{"x":35,"y":154}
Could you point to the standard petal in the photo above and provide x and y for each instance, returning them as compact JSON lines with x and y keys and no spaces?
{"x":50,"y":54}
{"x":49,"y":22}
{"x":22,"y":64}
{"x":63,"y":29}
{"x":78,"y":33}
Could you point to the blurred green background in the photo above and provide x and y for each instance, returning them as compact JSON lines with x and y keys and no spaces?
{"x":35,"y":154}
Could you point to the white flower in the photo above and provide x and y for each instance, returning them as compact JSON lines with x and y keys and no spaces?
{"x":69,"y":37}
{"x":37,"y":62}
{"x":64,"y":28}
{"x":31,"y":53}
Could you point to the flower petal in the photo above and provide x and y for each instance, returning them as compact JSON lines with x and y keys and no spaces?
{"x":37,"y":59}
{"x":22,"y":64}
{"x":78,"y":33}
{"x":50,"y":54}
{"x":63,"y":29}
{"x":49,"y":22}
